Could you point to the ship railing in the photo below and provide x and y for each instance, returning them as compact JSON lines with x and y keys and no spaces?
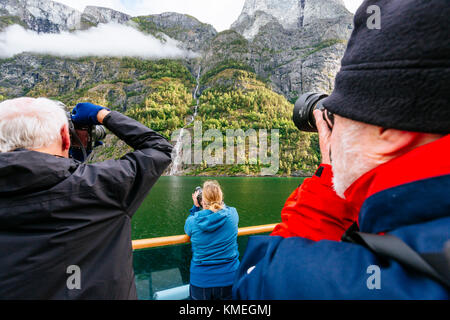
{"x":181,"y":291}
{"x":180,"y":239}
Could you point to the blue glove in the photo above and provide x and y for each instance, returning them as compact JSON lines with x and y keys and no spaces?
{"x":85,"y":114}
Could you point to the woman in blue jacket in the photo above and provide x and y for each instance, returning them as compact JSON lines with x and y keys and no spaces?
{"x":215,"y":256}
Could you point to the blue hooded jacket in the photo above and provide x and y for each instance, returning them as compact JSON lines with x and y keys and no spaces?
{"x":215,"y":257}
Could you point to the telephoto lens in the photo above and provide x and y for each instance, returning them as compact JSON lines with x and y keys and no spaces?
{"x":98,"y":133}
{"x":303,"y":110}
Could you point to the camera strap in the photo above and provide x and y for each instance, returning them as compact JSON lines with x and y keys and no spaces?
{"x":74,"y":134}
{"x":388,"y":246}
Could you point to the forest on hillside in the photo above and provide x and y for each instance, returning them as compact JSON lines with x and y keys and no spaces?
{"x":159,"y":94}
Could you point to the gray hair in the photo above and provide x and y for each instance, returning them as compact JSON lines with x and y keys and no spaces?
{"x":30,"y":123}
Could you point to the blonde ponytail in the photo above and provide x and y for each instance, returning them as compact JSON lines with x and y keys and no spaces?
{"x":212,"y":197}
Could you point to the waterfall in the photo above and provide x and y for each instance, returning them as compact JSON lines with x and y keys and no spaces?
{"x":177,"y":152}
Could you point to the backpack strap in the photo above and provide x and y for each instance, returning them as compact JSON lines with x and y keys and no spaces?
{"x":434,"y":265}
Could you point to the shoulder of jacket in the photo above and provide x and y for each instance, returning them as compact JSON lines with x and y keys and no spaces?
{"x":228,"y":208}
{"x":191,"y":218}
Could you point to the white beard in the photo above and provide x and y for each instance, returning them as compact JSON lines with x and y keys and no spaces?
{"x":348,"y":160}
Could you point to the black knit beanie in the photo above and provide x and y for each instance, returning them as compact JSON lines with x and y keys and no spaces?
{"x":397,"y":76}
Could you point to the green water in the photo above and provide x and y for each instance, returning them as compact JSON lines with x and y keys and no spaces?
{"x":257,"y":200}
{"x":163,"y":213}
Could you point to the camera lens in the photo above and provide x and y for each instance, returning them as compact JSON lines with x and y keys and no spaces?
{"x":98,"y":133}
{"x":303,"y":110}
{"x":199,"y":195}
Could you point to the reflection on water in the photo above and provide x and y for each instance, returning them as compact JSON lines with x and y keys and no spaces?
{"x":257,"y":200}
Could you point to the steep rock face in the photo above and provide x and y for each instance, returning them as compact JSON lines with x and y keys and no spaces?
{"x":113,"y":82}
{"x":41,"y":15}
{"x":52,"y":17}
{"x":104,"y":15}
{"x":226,"y":46}
{"x":294,"y":45}
{"x":287,"y":12}
{"x":187,"y":29}
{"x":28,"y":72}
{"x":291,"y":14}
{"x":314,"y":10}
{"x":257,"y":14}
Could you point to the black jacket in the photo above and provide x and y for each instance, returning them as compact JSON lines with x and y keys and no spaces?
{"x":57,"y":212}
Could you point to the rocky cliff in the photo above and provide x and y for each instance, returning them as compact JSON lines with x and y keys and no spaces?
{"x":291,"y":14}
{"x":193,"y":34}
{"x":295,"y":44}
{"x":53,"y":17}
{"x":41,"y":15}
{"x":104,"y":15}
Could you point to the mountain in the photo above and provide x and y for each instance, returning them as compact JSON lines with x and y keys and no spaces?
{"x":192,"y":33}
{"x":250,"y":74}
{"x":295,"y":45}
{"x":98,"y":15}
{"x":291,"y":14}
{"x":54,"y":17}
{"x":41,"y":15}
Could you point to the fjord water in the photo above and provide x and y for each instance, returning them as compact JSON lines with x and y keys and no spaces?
{"x":164,"y":211}
{"x":258,"y":201}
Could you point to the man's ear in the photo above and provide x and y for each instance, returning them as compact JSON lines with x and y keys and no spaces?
{"x":65,"y":138}
{"x":397,"y":142}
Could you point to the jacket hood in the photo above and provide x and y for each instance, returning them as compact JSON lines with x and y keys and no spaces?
{"x":24,"y":172}
{"x":210,"y":221}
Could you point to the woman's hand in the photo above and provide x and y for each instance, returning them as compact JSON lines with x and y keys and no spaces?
{"x":194,"y":199}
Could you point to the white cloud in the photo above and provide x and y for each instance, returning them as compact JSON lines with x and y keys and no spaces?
{"x":110,"y":40}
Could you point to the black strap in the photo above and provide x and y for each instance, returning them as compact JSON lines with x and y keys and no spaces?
{"x":434,"y":265}
{"x":74,"y":134}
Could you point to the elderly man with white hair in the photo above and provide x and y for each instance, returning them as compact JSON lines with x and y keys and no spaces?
{"x":65,"y":226}
{"x":384,"y":183}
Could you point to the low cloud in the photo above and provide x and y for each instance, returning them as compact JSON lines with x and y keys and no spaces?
{"x":105,"y":40}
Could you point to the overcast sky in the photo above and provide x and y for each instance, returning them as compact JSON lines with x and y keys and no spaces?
{"x":220,"y":13}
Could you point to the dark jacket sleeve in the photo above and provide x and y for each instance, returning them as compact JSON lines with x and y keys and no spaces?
{"x":131,"y":178}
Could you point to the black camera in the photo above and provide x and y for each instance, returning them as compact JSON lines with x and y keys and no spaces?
{"x":84,"y":139}
{"x":304,"y":108}
{"x":199,"y":195}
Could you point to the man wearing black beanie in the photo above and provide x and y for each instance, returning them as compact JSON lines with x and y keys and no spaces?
{"x":385,"y":147}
